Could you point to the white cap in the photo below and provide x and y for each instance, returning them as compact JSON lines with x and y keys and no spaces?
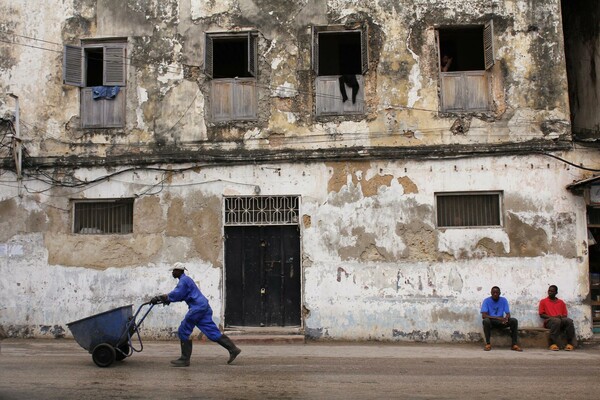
{"x":179,"y":266}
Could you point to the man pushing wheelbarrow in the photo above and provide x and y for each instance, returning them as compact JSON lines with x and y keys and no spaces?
{"x":199,"y":314}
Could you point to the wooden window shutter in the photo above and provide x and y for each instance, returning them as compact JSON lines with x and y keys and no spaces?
{"x":488,"y":44}
{"x":364,"y":47}
{"x":439,"y":51}
{"x":315,"y":50}
{"x":114,"y":65}
{"x":73,"y":65}
{"x":208,"y":55}
{"x":252,"y":61}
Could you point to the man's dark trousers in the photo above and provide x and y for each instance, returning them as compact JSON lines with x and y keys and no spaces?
{"x":489,"y":324}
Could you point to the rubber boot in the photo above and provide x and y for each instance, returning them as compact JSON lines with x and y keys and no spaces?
{"x":186,"y":354}
{"x":230,"y":346}
{"x":181,"y":357}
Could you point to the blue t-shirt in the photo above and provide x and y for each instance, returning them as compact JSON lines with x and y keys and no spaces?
{"x":495,"y":308}
{"x":186,"y":290}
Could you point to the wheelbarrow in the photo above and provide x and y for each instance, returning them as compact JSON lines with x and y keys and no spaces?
{"x":109,"y":336}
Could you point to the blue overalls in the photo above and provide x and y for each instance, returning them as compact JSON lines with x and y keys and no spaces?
{"x":199,"y":313}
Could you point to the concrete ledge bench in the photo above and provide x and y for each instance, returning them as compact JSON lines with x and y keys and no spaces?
{"x":528,"y":337}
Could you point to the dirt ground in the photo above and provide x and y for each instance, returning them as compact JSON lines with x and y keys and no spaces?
{"x":60,"y":369}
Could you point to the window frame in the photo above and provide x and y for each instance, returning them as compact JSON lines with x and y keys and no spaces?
{"x":500,"y":198}
{"x":467,"y":84}
{"x":76,"y":221}
{"x":362,"y":28}
{"x":232,"y":99}
{"x":98,"y":113}
{"x":74,"y":65}
{"x":252,"y":43}
{"x":328,"y":104}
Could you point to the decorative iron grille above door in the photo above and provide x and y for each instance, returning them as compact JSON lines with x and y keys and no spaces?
{"x":261,"y":210}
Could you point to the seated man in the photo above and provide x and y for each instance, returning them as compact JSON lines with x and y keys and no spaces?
{"x":554,"y":312}
{"x":496,"y":314}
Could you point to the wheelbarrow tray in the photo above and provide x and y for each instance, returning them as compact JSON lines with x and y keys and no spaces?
{"x":105,"y":327}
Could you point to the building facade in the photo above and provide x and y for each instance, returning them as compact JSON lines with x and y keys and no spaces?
{"x":345,"y":169}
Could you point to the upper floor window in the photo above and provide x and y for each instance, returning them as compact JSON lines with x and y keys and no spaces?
{"x":99,"y":69}
{"x":340,"y":59}
{"x":466,"y":55}
{"x":103,"y":216}
{"x":469,"y":209}
{"x":230,"y":60}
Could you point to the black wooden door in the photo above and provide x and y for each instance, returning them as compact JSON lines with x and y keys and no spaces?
{"x":262,"y":276}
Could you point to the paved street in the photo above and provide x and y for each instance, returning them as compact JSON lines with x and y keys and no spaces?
{"x":60,"y":369}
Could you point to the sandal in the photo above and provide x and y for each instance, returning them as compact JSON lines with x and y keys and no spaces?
{"x":516,"y":347}
{"x":569,"y":347}
{"x":554,"y":347}
{"x":487,"y":347}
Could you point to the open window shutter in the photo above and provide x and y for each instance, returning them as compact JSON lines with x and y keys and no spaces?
{"x":315,"y":50}
{"x":73,"y":65}
{"x":488,"y":44}
{"x":252,"y":54}
{"x":208,"y":55}
{"x":439,"y":51}
{"x":364,"y":47}
{"x":114,"y":65}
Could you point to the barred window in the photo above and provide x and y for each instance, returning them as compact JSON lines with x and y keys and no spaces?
{"x":103,"y":216}
{"x":468,"y":209}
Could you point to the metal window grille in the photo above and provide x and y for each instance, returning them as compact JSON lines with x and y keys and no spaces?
{"x":103,"y":217}
{"x":468,"y":209}
{"x":262,"y":210}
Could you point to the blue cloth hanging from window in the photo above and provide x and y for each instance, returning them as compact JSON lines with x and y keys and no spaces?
{"x":105,"y":92}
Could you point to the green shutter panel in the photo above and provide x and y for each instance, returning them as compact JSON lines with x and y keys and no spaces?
{"x":114,"y":65}
{"x":488,"y":44}
{"x":208,"y":55}
{"x":73,"y":65}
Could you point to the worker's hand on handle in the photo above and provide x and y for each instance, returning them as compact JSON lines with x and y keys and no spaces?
{"x":160,"y":299}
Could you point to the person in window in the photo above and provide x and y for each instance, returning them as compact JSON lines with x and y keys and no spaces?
{"x":199,"y":314}
{"x":495,"y":313}
{"x":554,"y":312}
{"x":446,"y":63}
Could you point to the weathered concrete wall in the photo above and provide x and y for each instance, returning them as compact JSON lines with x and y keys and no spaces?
{"x":167,"y":91}
{"x":374,"y":264}
{"x":582,"y":45}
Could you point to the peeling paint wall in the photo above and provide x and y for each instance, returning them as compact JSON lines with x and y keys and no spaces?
{"x":167,"y":93}
{"x":375,"y":265}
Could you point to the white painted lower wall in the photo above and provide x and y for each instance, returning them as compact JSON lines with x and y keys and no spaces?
{"x":349,"y":292}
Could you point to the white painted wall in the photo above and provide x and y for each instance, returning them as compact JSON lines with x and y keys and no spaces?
{"x":398,"y":298}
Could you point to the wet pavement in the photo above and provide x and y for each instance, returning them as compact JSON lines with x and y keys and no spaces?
{"x":61,"y":369}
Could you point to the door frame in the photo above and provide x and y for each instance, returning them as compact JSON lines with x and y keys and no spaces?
{"x":244,"y":214}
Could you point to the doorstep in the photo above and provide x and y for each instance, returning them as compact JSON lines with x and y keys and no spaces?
{"x":266,"y":335}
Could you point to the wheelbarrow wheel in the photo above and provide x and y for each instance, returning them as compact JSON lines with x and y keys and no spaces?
{"x":124,"y":351}
{"x":104,"y":355}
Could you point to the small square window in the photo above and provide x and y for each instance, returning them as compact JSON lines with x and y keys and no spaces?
{"x":478,"y":209}
{"x":103,"y":217}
